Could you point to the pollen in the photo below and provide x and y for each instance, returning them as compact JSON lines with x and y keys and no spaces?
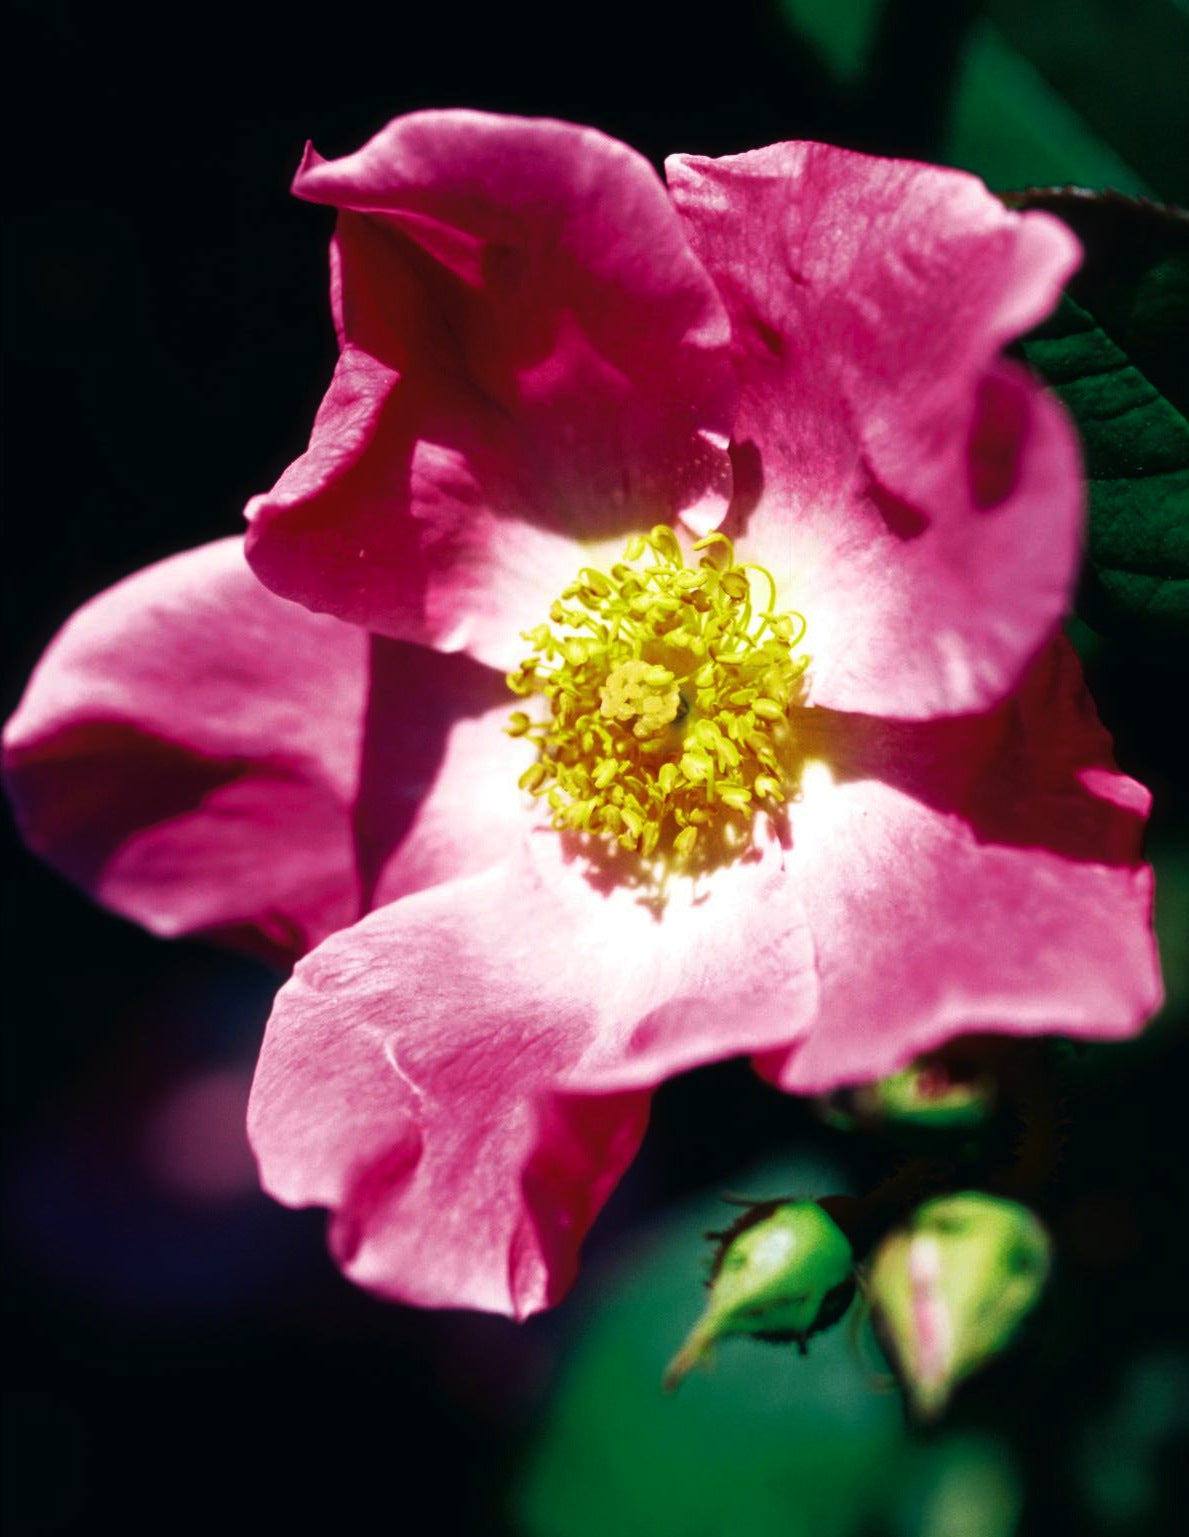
{"x":667,"y":690}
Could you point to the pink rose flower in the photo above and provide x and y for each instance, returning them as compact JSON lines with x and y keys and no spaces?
{"x":828,"y":813}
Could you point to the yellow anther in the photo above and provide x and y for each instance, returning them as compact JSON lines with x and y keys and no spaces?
{"x":667,"y":692}
{"x":696,"y":765}
{"x":735,"y":796}
{"x":636,"y":691}
{"x":632,"y":819}
{"x":596,"y":581}
{"x":604,"y":773}
{"x":740,"y":727}
{"x":533,"y":777}
{"x":713,"y":538}
{"x":664,"y":541}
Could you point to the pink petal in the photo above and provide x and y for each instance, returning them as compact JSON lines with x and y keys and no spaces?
{"x":206,"y":757}
{"x":531,"y":358}
{"x":918,"y":499}
{"x":438,"y":794}
{"x":187,"y":750}
{"x":972,"y":875}
{"x":461,"y":1077}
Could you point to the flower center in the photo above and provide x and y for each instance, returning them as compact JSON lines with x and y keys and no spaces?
{"x":668,"y":693}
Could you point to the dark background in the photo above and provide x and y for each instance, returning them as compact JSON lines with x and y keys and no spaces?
{"x":180,"y":1353}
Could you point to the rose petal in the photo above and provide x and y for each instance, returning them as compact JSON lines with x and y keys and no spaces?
{"x":208,"y":758}
{"x":919,"y":501}
{"x":438,"y":794}
{"x":460,"y":1075}
{"x":974,"y":875}
{"x":187,"y":751}
{"x":532,"y":360}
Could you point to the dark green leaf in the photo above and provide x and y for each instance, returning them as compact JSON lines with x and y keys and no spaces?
{"x":1117,"y":352}
{"x":1134,"y":277}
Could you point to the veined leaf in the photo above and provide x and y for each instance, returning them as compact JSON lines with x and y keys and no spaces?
{"x":1117,"y":353}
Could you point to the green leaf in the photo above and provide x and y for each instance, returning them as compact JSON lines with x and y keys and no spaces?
{"x":1116,"y":351}
{"x":1134,"y":277}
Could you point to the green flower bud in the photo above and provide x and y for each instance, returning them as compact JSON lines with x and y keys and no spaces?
{"x":783,"y":1272}
{"x":950,"y":1289}
{"x":933,"y":1093}
{"x":926,"y":1094}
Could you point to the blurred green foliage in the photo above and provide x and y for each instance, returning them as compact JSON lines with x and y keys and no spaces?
{"x":1012,"y":128}
{"x":1121,"y":1451}
{"x":1083,"y":91}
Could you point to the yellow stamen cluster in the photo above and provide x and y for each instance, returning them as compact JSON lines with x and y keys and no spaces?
{"x":669,"y":694}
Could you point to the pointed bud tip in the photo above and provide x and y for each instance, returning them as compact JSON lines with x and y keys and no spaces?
{"x":693,"y":1352}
